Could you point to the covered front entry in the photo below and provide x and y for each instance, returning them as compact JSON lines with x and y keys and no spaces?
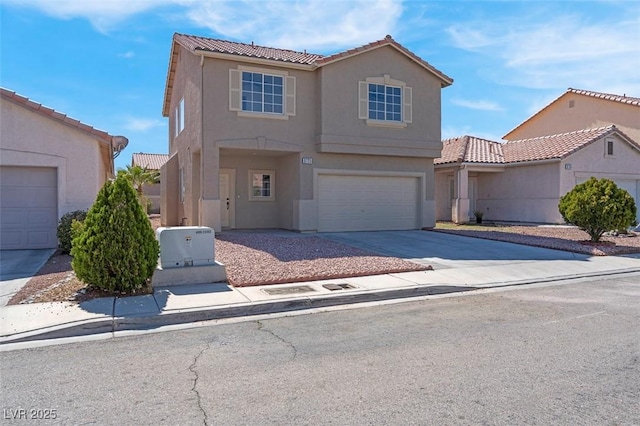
{"x":365,"y":203}
{"x":28,"y":207}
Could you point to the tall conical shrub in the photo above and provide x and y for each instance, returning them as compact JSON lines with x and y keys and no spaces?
{"x":115,"y":248}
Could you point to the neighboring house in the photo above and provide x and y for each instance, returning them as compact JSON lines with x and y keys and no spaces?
{"x":582,"y":109}
{"x":271,"y":138}
{"x":523,"y":180}
{"x":50,"y":164}
{"x":150,"y":162}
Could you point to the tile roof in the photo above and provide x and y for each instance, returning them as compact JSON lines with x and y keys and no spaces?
{"x":608,"y":96}
{"x":54,"y":115}
{"x":282,"y":57}
{"x":149,"y":161}
{"x":470,"y":149}
{"x":195,"y":43}
{"x":624,"y":99}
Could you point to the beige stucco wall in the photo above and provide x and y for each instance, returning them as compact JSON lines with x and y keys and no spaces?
{"x":29,"y":139}
{"x":521,"y":193}
{"x":226,"y":139}
{"x":587,"y":112}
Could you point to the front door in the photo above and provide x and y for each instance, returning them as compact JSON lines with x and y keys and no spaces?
{"x":227,"y":190}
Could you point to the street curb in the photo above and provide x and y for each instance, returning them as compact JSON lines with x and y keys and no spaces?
{"x":247,"y":309}
{"x":149,"y":322}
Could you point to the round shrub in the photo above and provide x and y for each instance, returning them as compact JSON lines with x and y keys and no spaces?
{"x":115,"y":248}
{"x":64,"y":228}
{"x":597,"y":206}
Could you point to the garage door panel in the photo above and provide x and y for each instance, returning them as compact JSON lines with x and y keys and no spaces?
{"x":363,"y":203}
{"x":29,"y":214}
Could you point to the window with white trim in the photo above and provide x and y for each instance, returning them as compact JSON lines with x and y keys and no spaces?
{"x":179,"y":118}
{"x":385,"y":101}
{"x":262,"y":185}
{"x":265,"y":93}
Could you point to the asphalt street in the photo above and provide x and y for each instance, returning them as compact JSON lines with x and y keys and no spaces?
{"x":554,"y":354}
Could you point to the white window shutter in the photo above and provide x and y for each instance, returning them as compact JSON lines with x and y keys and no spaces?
{"x":290,"y":101}
{"x":234,"y":90}
{"x":363,"y":104}
{"x":407,"y":107}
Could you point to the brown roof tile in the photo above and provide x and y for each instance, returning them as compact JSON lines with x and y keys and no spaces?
{"x":469,"y":149}
{"x":54,"y":115}
{"x":149,"y":161}
{"x":195,"y":43}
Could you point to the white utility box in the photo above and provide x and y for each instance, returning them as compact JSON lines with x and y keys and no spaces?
{"x":182,"y":246}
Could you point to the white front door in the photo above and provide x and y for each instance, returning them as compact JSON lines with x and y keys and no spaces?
{"x":225,"y":200}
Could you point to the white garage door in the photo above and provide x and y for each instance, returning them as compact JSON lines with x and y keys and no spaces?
{"x":367,"y":203}
{"x":28,"y":208}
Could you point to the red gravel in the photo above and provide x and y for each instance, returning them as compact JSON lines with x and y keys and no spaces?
{"x":553,"y":237}
{"x":263,"y":258}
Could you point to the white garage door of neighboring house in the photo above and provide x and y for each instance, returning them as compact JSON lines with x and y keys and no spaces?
{"x":28,"y":207}
{"x":367,"y":203}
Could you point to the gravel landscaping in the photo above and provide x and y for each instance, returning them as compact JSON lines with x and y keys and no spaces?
{"x":264,"y":258}
{"x":254,"y":258}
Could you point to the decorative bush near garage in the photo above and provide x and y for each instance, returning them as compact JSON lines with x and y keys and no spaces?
{"x":597,"y":206}
{"x":115,"y":247}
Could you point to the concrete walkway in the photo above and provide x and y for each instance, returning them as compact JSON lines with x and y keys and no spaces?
{"x":461,"y":264}
{"x":17,"y":267}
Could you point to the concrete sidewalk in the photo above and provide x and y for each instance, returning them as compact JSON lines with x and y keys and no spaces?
{"x":203,"y":302}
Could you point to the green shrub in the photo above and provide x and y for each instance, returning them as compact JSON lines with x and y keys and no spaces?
{"x":597,"y":206}
{"x":64,"y":228}
{"x":115,"y":248}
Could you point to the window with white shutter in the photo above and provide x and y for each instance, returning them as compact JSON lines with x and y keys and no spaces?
{"x":262,"y":93}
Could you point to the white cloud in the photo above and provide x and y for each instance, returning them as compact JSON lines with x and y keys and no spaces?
{"x":478,"y":104}
{"x":558,"y":52}
{"x":127,"y":55}
{"x":311,"y":24}
{"x":136,"y":124}
{"x":298,"y":24}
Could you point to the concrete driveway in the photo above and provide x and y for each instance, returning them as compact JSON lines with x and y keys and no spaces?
{"x":448,"y":251}
{"x":17,"y":267}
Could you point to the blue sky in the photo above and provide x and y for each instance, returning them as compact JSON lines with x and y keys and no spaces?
{"x":105,"y":62}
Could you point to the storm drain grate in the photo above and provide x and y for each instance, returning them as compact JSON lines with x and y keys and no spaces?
{"x":288,"y":290}
{"x":334,"y":287}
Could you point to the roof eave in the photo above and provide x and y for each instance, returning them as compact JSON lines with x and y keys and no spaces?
{"x":254,"y":60}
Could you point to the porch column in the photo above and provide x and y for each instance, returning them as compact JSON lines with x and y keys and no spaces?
{"x":461,"y":213}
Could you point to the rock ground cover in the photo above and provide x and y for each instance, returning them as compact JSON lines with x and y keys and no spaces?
{"x":318,"y":258}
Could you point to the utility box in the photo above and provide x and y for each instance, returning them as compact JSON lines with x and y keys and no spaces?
{"x":182,"y":246}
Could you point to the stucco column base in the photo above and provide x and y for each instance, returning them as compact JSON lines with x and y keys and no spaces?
{"x":428,"y":214}
{"x":461,"y":213}
{"x":210,"y":214}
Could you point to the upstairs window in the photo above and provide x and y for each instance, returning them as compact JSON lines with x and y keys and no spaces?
{"x":609,"y":148}
{"x":179,"y":118}
{"x":384,"y":101}
{"x":262,"y":93}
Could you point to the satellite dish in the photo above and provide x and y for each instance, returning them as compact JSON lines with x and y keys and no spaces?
{"x":118,"y":143}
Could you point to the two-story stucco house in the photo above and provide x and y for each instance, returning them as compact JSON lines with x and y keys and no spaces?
{"x":271,"y":138}
{"x":50,"y":164}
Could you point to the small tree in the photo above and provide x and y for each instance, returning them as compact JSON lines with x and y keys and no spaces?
{"x":139,"y":177}
{"x":597,"y":206}
{"x":115,"y":248}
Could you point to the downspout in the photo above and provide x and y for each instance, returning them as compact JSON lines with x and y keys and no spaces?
{"x":201,"y":138}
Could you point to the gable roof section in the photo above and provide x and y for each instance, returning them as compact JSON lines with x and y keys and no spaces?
{"x":627,"y":100}
{"x":469,"y":149}
{"x":149,"y":161}
{"x":55,"y":115}
{"x":279,"y":57}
